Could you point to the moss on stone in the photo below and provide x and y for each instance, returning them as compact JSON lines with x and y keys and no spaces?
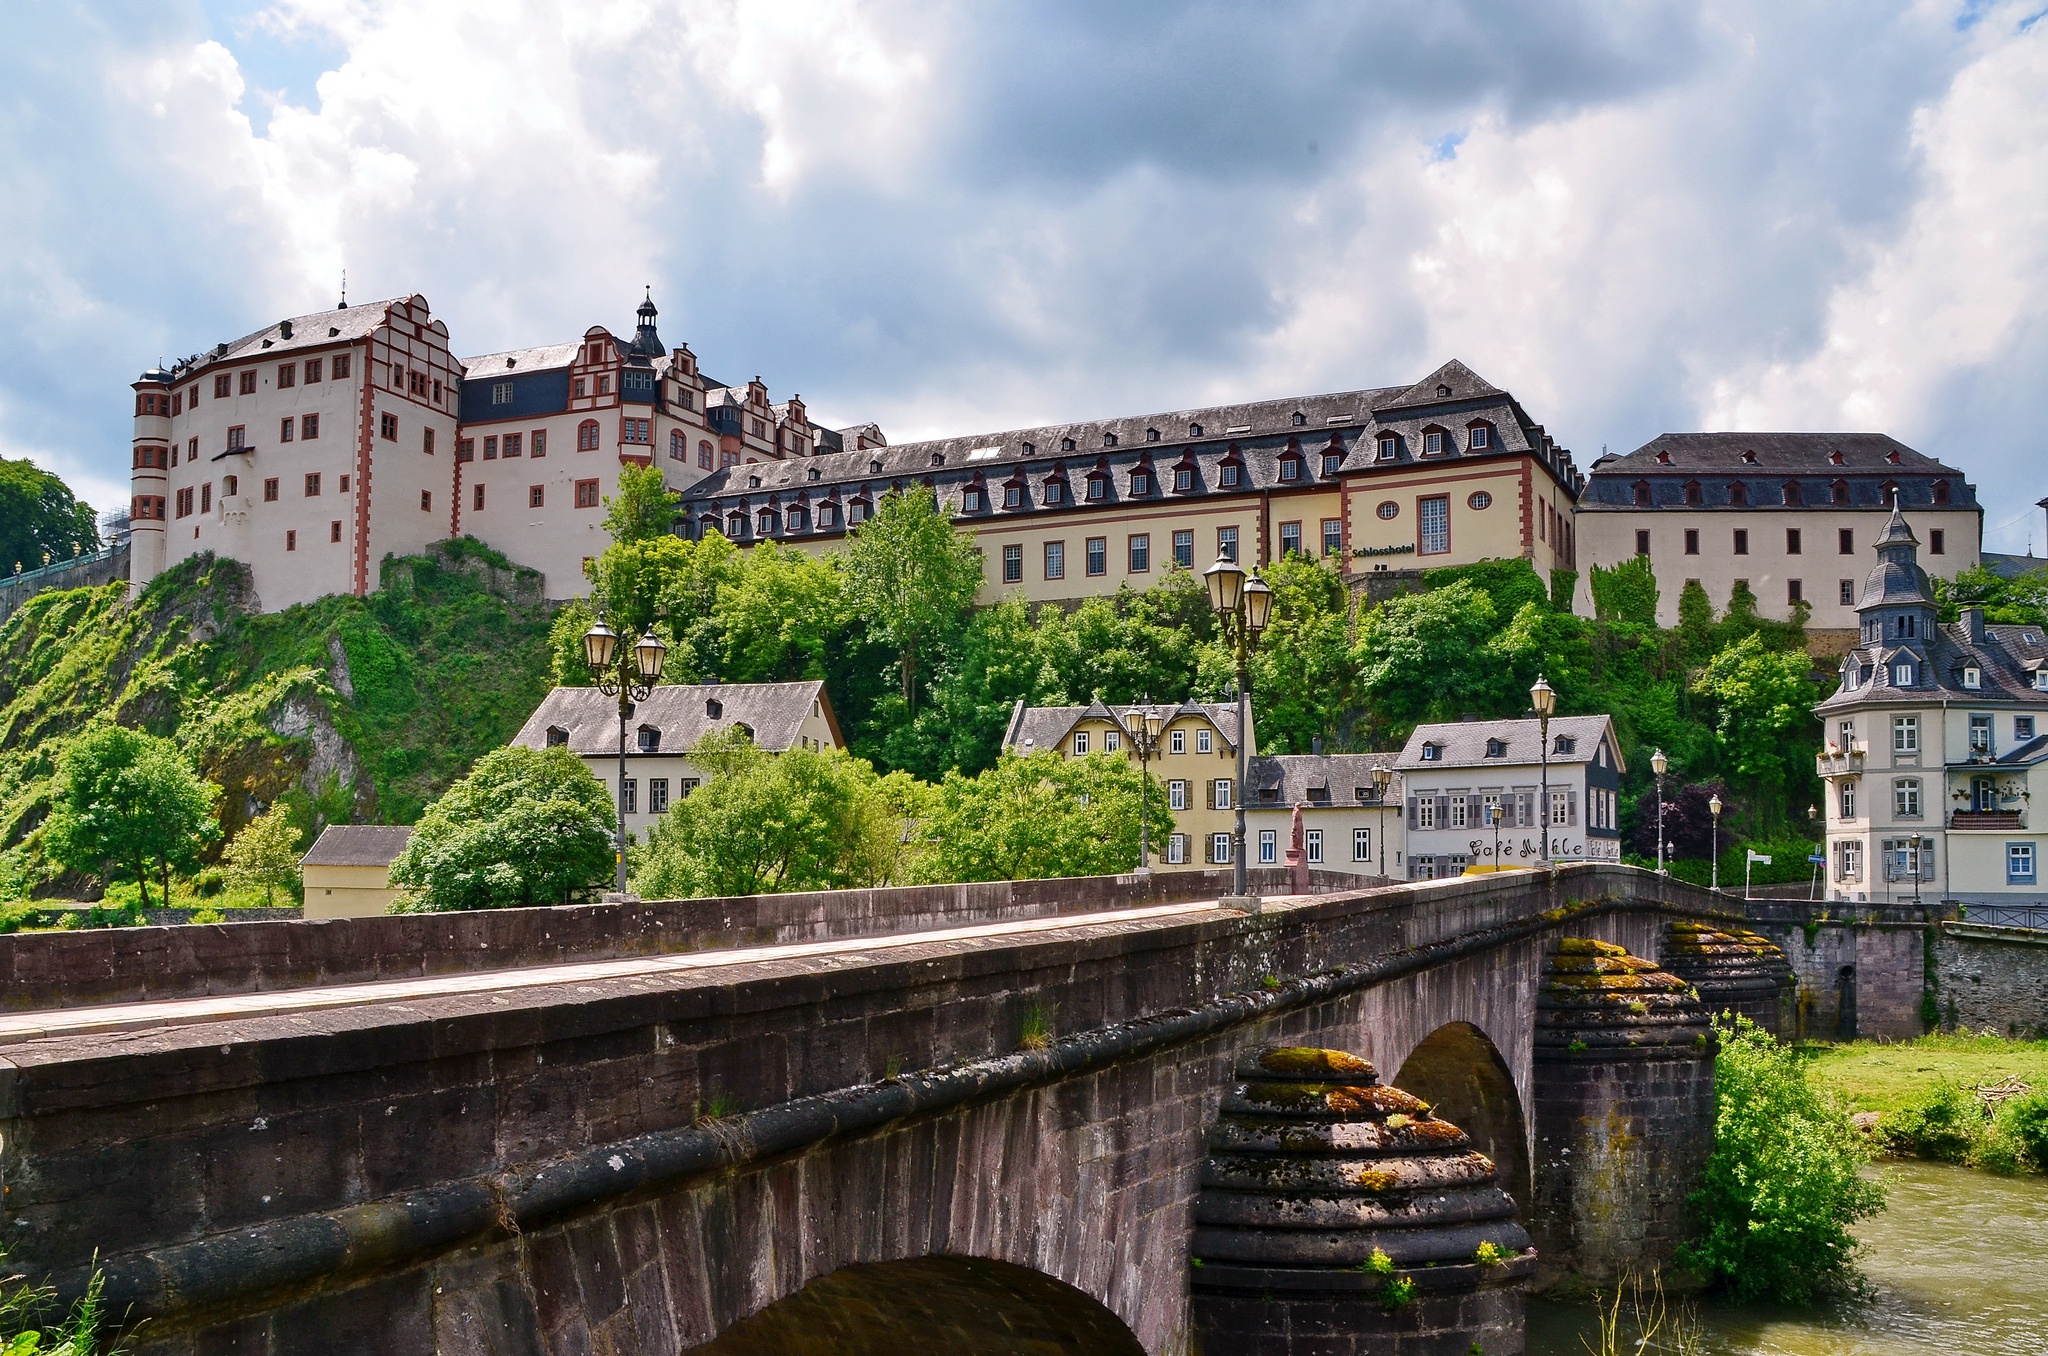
{"x":1306,"y":1061}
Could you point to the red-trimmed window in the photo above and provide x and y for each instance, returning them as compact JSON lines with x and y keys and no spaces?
{"x":587,"y":436}
{"x":586,"y":494}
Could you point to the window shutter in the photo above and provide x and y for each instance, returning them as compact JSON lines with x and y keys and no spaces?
{"x":1926,"y":860}
{"x":1212,"y":794}
{"x":1413,"y":822}
{"x":1443,"y":812}
{"x":1475,"y":812}
{"x":1571,"y":807}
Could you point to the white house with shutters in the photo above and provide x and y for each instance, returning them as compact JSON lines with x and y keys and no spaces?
{"x":1472,"y":791}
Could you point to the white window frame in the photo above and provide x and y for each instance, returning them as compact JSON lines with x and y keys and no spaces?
{"x":1204,"y":742}
{"x":1560,"y":806}
{"x":1177,"y":795}
{"x":1905,"y":734}
{"x":1268,"y":846}
{"x":1176,"y":849}
{"x":1361,"y":845}
{"x":1178,"y":742}
{"x":1312,"y":839}
{"x":1223,"y":793}
{"x":1080,"y":743}
{"x":1111,"y":741}
{"x":657,"y":795}
{"x":1460,"y":810}
{"x":1219,"y":848}
{"x":1846,"y":801}
{"x":2016,"y":852}
{"x":1906,"y":798}
{"x":1425,"y":810}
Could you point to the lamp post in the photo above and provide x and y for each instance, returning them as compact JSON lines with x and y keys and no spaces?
{"x":1382,"y":778}
{"x":1658,"y":764}
{"x":1916,"y":841}
{"x":1544,"y":699}
{"x":1243,"y":605}
{"x":1146,"y":732}
{"x":1714,"y":809}
{"x":628,"y":675}
{"x":1813,"y":828}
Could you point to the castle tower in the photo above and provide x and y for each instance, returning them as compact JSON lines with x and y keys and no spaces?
{"x":148,"y":505}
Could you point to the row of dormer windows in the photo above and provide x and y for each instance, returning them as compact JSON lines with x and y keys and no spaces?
{"x":1790,"y":494}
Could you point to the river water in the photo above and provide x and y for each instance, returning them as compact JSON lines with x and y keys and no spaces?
{"x":1957,"y":1265}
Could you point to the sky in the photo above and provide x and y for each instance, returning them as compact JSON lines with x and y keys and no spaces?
{"x":1638,"y":217}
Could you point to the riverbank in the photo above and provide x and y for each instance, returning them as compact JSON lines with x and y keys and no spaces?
{"x":1952,"y":1266}
{"x":1890,"y":1076}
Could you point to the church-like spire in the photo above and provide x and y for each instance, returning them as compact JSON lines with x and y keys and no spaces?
{"x":645,"y":339}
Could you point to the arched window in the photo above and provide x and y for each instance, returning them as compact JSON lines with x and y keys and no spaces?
{"x":1692,"y":493}
{"x":1738,"y":493}
{"x":704,"y":456}
{"x":1642,"y":494}
{"x":678,"y":445}
{"x":1838,"y":492}
{"x":586,"y":436}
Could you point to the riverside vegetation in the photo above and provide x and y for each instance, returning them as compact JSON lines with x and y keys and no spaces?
{"x":1925,"y":1096}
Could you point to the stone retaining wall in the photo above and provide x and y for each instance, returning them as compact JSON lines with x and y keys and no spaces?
{"x":1992,"y":979}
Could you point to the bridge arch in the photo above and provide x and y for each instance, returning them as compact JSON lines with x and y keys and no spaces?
{"x":1458,"y":1070}
{"x":931,"y":1306}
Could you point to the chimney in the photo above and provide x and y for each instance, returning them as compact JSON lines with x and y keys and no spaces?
{"x":1315,"y":745}
{"x":1470,"y":718}
{"x":1973,"y":622}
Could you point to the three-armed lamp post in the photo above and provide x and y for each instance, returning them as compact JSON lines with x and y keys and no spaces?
{"x":1659,"y":764}
{"x":1146,"y":731}
{"x":1714,"y":808}
{"x":1382,"y":778}
{"x":628,"y":675}
{"x":1544,"y":698}
{"x":1243,"y":606}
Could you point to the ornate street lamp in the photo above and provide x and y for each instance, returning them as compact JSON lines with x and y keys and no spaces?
{"x":1714,"y":808}
{"x":1544,"y":698}
{"x":1243,"y":606}
{"x":1659,"y":764}
{"x":1146,"y":732}
{"x":629,"y":675}
{"x":1382,"y":778}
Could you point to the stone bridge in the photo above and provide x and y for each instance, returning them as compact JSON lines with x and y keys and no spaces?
{"x":970,"y":1117}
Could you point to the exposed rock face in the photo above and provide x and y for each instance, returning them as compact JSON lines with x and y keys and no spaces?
{"x":1339,"y":1217}
{"x":1734,"y":970}
{"x":1624,"y":1112}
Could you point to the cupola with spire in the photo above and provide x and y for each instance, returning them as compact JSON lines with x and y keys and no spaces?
{"x":646,"y":341}
{"x":1897,"y":607}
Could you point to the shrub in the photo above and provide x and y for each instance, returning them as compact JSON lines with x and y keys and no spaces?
{"x":28,"y":1329}
{"x":2024,"y":1120}
{"x":1782,"y":1186}
{"x":1944,"y":1124}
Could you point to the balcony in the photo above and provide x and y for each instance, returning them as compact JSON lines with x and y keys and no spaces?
{"x":2002,"y":821}
{"x":1835,"y":761}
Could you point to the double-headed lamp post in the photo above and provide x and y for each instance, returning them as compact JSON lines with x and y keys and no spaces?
{"x":1544,"y":698}
{"x":1146,"y":731}
{"x":1659,"y":764}
{"x":1382,"y":778}
{"x":1714,"y":809}
{"x":628,"y":675}
{"x":1243,"y":605}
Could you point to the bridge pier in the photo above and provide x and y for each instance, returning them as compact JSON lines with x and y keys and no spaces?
{"x":1624,"y":1114}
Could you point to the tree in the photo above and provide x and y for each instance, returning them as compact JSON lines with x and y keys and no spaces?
{"x":265,"y":854}
{"x":1034,"y":817}
{"x":1423,"y":656}
{"x":645,"y":507}
{"x":525,"y":827}
{"x":39,"y":516}
{"x":1695,"y":623}
{"x":767,"y":823}
{"x":129,"y":799}
{"x":2021,"y":600}
{"x":995,"y":664}
{"x":1302,"y":672}
{"x":1759,"y":705}
{"x":913,"y":578}
{"x":778,"y":611}
{"x":1625,"y":595}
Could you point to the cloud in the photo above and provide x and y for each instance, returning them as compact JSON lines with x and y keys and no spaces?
{"x":958,"y":216}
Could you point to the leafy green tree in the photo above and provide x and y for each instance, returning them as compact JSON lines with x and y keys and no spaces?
{"x":1111,"y":648}
{"x":1784,"y":1182}
{"x":1423,"y":656}
{"x":525,"y":827}
{"x":767,"y":823}
{"x":1303,"y":677}
{"x":265,"y":854}
{"x":1759,"y":705}
{"x":913,"y":578}
{"x":779,"y":611}
{"x":644,"y":508}
{"x":1625,"y":595}
{"x":2019,"y":601}
{"x":1557,"y":645}
{"x":39,"y":516}
{"x":1509,"y":583}
{"x":131,"y":800}
{"x":1035,"y":817}
{"x":995,"y":664}
{"x":1695,"y":623}
{"x":566,"y":666}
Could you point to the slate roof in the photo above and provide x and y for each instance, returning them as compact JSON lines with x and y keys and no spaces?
{"x":1257,"y":430}
{"x":2005,"y":659}
{"x":681,"y":712}
{"x":1313,"y":779}
{"x":538,"y":359}
{"x":1464,"y":742}
{"x":1715,"y":459}
{"x":358,"y":845}
{"x":1046,"y":727}
{"x":316,"y":330}
{"x":2011,"y":567}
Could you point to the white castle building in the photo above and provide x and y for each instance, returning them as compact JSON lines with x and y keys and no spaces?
{"x":317,"y":446}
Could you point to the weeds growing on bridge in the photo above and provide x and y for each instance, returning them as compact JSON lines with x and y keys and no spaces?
{"x":24,"y":1310}
{"x":1036,"y":1031}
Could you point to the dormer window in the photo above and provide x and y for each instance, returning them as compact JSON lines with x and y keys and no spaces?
{"x":1030,"y":449}
{"x":1738,"y":494}
{"x":1432,"y":753}
{"x":1109,"y":440}
{"x":1973,"y":677}
{"x":753,"y":482}
{"x":816,"y":474}
{"x":1941,"y":492}
{"x":1834,"y":458}
{"x":1151,"y":435}
{"x":1479,"y":437}
{"x":714,"y":708}
{"x":1141,"y":482}
{"x":1433,"y":442}
{"x":1013,"y":496}
{"x":1564,"y":744}
{"x":2041,"y":680}
{"x":1333,"y":462}
{"x":1066,"y":444}
{"x":1194,"y":430}
{"x":1642,"y":492}
{"x":1838,"y":492}
{"x":1290,"y":466}
{"x":1299,"y":419}
{"x":1692,"y":493}
{"x":1055,"y":492}
{"x":1902,"y":675}
{"x":970,"y":499}
{"x":1892,"y":456}
{"x":1183,"y":478}
{"x":1098,"y":486}
{"x":1227,"y":475}
{"x":1496,"y":748}
{"x":1389,"y":446}
{"x":1791,"y":491}
{"x":938,"y":459}
{"x":650,"y":739}
{"x":1664,"y":457}
{"x":1748,"y":457}
{"x":558,"y":738}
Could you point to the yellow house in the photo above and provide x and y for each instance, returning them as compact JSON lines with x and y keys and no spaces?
{"x":347,"y":873}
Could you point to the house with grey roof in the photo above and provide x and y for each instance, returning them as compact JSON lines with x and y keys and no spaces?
{"x":663,"y":727}
{"x":1935,"y":740}
{"x":1789,"y":515}
{"x":1473,"y":794}
{"x":347,"y":871}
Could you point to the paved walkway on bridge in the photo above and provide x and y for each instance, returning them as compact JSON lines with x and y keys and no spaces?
{"x":16,"y":1028}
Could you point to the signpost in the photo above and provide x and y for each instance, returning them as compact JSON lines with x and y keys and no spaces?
{"x":1749,"y":867}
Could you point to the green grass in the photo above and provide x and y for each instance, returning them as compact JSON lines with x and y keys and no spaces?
{"x":1875,"y":1076}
